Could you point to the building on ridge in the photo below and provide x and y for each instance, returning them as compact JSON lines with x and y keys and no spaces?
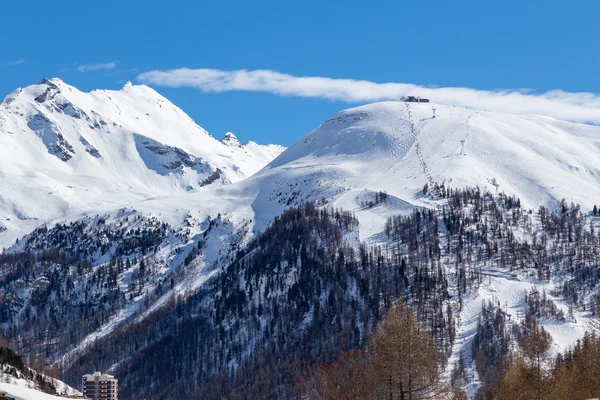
{"x":413,"y":99}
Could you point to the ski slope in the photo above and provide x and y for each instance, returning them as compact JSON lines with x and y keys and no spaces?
{"x":398,"y":147}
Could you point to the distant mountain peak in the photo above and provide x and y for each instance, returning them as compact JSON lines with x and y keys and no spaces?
{"x":45,"y":81}
{"x":229,"y":139}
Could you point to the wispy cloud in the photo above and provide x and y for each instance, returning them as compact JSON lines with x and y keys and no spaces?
{"x":97,"y":67}
{"x":15,"y":62}
{"x":578,"y":107}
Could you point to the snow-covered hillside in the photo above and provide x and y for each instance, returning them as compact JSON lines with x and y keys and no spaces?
{"x":16,"y":385}
{"x":399,"y":147}
{"x":65,"y":152}
{"x":19,"y":391}
{"x":22,"y":389}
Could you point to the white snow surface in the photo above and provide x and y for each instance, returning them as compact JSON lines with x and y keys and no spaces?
{"x":20,"y":391}
{"x":377,"y":147}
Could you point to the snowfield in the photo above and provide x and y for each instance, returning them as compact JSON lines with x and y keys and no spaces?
{"x":397,"y":148}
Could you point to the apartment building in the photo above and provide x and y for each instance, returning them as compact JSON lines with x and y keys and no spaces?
{"x":98,"y":386}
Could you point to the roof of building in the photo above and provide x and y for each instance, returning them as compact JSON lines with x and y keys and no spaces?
{"x":99,"y":375}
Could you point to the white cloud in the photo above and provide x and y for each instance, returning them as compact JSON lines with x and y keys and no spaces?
{"x":97,"y":67}
{"x":15,"y":62}
{"x":578,"y":107}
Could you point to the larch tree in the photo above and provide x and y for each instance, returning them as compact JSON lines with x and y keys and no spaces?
{"x":405,"y":362}
{"x":536,"y":342}
{"x":400,"y":362}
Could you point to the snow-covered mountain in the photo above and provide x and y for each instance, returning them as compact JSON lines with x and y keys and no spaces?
{"x":399,"y":147}
{"x":83,"y":153}
{"x":64,"y":152}
{"x":151,"y":207}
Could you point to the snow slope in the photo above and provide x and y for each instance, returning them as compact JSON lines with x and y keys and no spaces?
{"x":19,"y":391}
{"x":65,"y":154}
{"x":20,"y":388}
{"x":63,"y":151}
{"x":399,"y":147}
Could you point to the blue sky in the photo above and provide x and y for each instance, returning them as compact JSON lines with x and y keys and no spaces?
{"x":538,"y":45}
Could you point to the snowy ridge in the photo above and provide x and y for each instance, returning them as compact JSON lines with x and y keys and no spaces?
{"x":74,"y":152}
{"x":394,"y":147}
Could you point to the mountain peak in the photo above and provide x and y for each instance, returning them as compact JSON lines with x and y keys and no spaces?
{"x":50,"y":82}
{"x":141,"y":90}
{"x":229,"y":139}
{"x":44,"y":81}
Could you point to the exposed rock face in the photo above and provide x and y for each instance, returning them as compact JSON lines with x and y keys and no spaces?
{"x":52,"y":137}
{"x":48,"y":94}
{"x":89,"y":148}
{"x":167,"y":159}
{"x":231,"y":140}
